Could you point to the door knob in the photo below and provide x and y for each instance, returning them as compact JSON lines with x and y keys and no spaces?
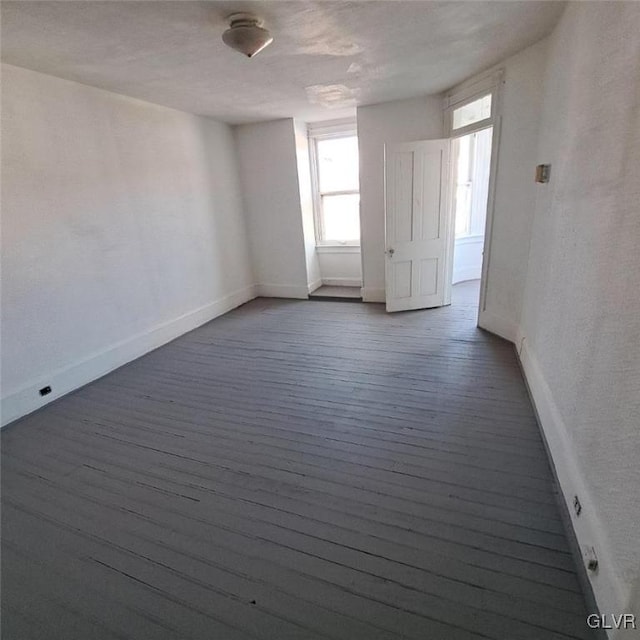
{"x":391,"y":252}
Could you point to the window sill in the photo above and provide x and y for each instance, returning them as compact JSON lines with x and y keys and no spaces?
{"x":338,"y":248}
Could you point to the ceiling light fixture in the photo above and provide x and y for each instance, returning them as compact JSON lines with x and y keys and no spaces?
{"x":246,"y":34}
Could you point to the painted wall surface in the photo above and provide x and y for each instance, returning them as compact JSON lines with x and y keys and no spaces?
{"x":515,"y":186}
{"x":341,"y":268}
{"x":467,"y":258}
{"x":122,"y":227}
{"x":580,"y":323}
{"x":515,"y":192}
{"x":314,"y":277}
{"x":271,"y":191}
{"x":397,"y":121}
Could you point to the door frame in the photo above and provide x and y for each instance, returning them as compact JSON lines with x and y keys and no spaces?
{"x":466,"y":93}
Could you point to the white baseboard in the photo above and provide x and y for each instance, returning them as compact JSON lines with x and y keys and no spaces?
{"x":609,"y":590}
{"x":282,"y":291}
{"x":469,"y":273}
{"x":371,"y":294}
{"x":497,"y":324}
{"x":27,"y":399}
{"x":342,"y":282}
{"x":312,"y":286}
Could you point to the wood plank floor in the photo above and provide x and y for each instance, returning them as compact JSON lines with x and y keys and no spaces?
{"x":292,"y":470}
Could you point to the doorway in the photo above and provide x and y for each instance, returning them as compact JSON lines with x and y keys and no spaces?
{"x":473,"y":123}
{"x":439,"y":202}
{"x":471,"y":155}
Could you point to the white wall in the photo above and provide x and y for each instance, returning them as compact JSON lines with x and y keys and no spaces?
{"x":398,"y":121}
{"x":269,"y":174}
{"x":421,"y":119}
{"x":467,"y":258}
{"x":340,"y":266}
{"x":515,"y":189}
{"x":580,"y":323}
{"x":122,"y":228}
{"x":314,"y":276}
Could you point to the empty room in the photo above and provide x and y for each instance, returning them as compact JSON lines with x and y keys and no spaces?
{"x":320,"y":320}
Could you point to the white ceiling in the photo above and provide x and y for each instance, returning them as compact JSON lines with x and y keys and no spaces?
{"x":326,"y":56}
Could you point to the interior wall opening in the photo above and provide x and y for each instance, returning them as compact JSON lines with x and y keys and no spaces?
{"x":472,"y":121}
{"x":336,"y":186}
{"x":472,"y":169}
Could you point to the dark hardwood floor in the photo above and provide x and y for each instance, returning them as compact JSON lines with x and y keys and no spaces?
{"x":292,"y":470}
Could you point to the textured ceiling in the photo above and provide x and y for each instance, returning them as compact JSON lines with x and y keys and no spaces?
{"x":326,"y":56}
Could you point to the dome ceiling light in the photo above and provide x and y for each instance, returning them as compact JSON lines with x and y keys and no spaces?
{"x":246,"y":34}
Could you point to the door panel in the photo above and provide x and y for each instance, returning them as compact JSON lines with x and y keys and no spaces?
{"x":403,"y":194}
{"x":418,"y":225}
{"x":402,"y":278}
{"x":428,"y":277}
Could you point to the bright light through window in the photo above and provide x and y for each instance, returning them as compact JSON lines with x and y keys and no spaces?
{"x":338,"y":195}
{"x":464,"y":183}
{"x":338,"y":164}
{"x":473,"y":153}
{"x":341,"y":217}
{"x":473,"y":112}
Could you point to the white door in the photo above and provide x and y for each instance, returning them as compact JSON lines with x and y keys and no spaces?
{"x":419,"y":234}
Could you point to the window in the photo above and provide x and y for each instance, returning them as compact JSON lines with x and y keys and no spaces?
{"x":473,"y":105}
{"x":472,"y":113}
{"x":473,"y":160}
{"x":464,"y":184}
{"x":336,"y":185}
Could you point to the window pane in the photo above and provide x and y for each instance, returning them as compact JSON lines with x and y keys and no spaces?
{"x":338,"y":164}
{"x":341,"y":217}
{"x":473,"y":112}
{"x":473,"y":153}
{"x":463,"y":185}
{"x":463,"y":209}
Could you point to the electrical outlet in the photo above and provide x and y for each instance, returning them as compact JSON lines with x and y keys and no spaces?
{"x":591,"y":558}
{"x":45,"y":391}
{"x":543,"y":173}
{"x":576,"y":505}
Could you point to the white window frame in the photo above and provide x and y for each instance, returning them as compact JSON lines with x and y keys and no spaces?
{"x":489,"y":84}
{"x":317,"y":131}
